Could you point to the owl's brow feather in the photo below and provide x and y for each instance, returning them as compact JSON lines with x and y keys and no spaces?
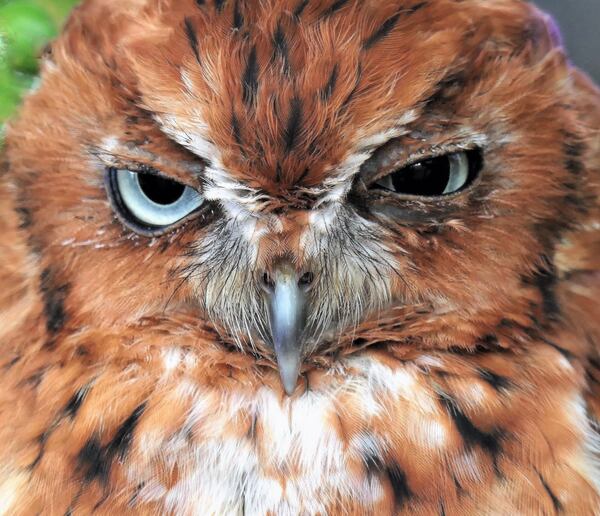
{"x":137,"y":161}
{"x":156,"y":115}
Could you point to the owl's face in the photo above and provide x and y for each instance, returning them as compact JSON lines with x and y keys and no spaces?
{"x":295,"y":171}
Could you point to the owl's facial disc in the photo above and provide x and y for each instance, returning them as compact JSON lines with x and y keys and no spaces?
{"x":286,"y":298}
{"x":395,"y":179}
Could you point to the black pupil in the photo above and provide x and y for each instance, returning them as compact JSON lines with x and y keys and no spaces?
{"x":428,"y":177}
{"x":160,"y":190}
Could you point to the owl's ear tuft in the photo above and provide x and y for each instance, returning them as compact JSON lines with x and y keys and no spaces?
{"x":541,"y":36}
{"x":97,"y":46}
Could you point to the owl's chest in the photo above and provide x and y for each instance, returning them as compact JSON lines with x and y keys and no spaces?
{"x":381,"y":439}
{"x":265,"y":456}
{"x":261,"y":451}
{"x":374,"y":437}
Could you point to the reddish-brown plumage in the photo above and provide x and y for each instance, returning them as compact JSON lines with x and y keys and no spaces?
{"x":452,"y":364}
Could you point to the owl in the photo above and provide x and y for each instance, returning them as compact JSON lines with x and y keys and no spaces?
{"x":302,"y":257}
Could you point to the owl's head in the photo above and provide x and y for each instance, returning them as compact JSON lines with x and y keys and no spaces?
{"x":309,"y":176}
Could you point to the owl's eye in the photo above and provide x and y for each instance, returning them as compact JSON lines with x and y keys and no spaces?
{"x":150,"y":203}
{"x":433,"y":177}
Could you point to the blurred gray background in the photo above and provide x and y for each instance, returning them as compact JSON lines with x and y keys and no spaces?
{"x":579,"y":21}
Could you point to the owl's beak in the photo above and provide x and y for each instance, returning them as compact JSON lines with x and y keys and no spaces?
{"x":287,"y":318}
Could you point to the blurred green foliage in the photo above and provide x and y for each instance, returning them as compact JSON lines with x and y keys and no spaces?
{"x":26,"y":26}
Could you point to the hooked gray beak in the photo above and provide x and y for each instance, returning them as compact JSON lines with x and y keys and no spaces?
{"x":286,"y":294}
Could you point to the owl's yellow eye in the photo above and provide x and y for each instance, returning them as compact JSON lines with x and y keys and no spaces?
{"x":433,"y":177}
{"x":149,"y":203}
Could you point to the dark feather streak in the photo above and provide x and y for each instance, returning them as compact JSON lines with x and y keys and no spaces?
{"x":334,"y":7}
{"x":352,"y":93}
{"x":41,"y":441}
{"x":25,"y":217}
{"x":280,"y":48}
{"x":573,"y":150}
{"x":490,"y":341}
{"x":594,"y":362}
{"x":558,"y":507}
{"x":546,"y":281}
{"x":385,"y":28}
{"x":375,"y":465}
{"x":471,"y":435}
{"x":327,"y":90}
{"x":397,"y":476}
{"x":238,"y":18}
{"x":236,"y":130}
{"x":94,"y":460}
{"x":416,"y":7}
{"x":74,"y":404}
{"x":250,"y":79}
{"x":10,"y":363}
{"x":497,"y":381}
{"x":121,"y":442}
{"x":192,"y":37}
{"x":300,"y":8}
{"x":573,"y":146}
{"x":569,"y":355}
{"x":293,"y":125}
{"x":303,"y":176}
{"x":574,"y":166}
{"x":54,"y":296}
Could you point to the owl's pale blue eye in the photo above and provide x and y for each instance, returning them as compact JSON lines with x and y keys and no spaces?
{"x":152,"y":201}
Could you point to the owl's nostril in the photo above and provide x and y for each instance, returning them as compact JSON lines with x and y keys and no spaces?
{"x":306,"y":280}
{"x":267,"y":282}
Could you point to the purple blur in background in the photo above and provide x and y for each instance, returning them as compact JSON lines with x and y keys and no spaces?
{"x":579,"y":21}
